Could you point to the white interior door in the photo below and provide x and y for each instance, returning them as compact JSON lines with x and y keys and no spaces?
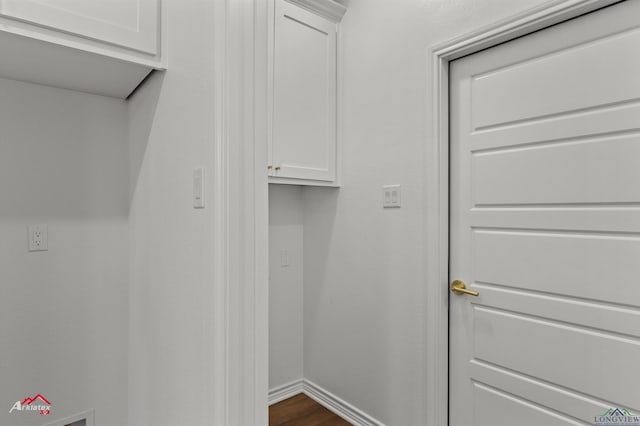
{"x":545,"y":225}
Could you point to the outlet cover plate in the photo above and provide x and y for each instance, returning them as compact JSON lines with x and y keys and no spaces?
{"x":198,"y":188}
{"x":38,"y":238}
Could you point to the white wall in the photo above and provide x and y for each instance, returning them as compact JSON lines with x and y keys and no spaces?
{"x":64,"y":312}
{"x":364,"y":334}
{"x":172,"y":275}
{"x":285,"y":284}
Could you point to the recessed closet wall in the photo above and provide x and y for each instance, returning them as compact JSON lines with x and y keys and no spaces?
{"x":297,"y":256}
{"x":286,"y":284}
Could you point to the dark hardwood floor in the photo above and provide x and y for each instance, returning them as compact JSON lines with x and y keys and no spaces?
{"x":300,"y":410}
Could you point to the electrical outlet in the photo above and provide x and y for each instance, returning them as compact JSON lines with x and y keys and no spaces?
{"x":38,"y":238}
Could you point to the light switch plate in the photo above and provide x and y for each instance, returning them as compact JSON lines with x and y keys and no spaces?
{"x":198,"y":188}
{"x":284,"y":258}
{"x":391,"y":196}
{"x":38,"y":237}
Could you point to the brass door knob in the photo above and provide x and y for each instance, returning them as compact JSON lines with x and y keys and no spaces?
{"x":277,"y":168}
{"x":459,"y":288}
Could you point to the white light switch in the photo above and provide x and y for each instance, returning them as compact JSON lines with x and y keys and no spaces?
{"x":38,"y":238}
{"x":391,"y":196}
{"x":198,"y":188}
{"x":284,"y":258}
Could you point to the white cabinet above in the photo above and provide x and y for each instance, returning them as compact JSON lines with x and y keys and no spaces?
{"x":303,"y":139}
{"x":97,"y":46}
{"x":132,"y":24}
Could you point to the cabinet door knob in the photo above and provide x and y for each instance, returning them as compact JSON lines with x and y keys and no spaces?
{"x":269,"y":167}
{"x":277,"y":168}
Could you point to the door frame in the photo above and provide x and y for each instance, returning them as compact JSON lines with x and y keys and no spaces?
{"x":237,"y":325}
{"x":437,"y":179}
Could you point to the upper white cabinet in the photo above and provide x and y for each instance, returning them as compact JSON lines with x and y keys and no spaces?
{"x":128,"y":23}
{"x":99,"y":46}
{"x":303,"y":143}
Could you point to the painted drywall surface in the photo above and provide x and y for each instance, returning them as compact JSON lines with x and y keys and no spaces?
{"x":364,"y":334}
{"x":63,"y":312}
{"x":171,"y":132}
{"x":285,"y":284}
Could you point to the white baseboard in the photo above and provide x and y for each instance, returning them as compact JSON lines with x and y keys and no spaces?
{"x":285,"y":391}
{"x":339,"y":406}
{"x":326,"y":399}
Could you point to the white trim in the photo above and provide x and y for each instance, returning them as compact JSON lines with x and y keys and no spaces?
{"x":437,"y":191}
{"x":285,"y":391}
{"x":306,"y":182}
{"x":217,"y":325}
{"x":259,"y":104}
{"x":88,"y":415}
{"x":238,"y":321}
{"x":339,"y":109}
{"x":247,"y":215}
{"x":325,"y":398}
{"x":328,"y":9}
{"x":338,"y":406}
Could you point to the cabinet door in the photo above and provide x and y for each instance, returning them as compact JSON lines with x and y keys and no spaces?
{"x":129,"y":23}
{"x":304,"y":107}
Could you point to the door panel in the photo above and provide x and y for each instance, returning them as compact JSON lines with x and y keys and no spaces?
{"x":544,"y":394}
{"x":540,"y":174}
{"x":598,"y":316}
{"x":563,"y":354}
{"x":555,"y":263}
{"x":490,"y":401}
{"x":545,"y":224}
{"x":555,"y":83}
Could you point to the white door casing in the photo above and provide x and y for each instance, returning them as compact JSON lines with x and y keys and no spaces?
{"x":545,"y":216}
